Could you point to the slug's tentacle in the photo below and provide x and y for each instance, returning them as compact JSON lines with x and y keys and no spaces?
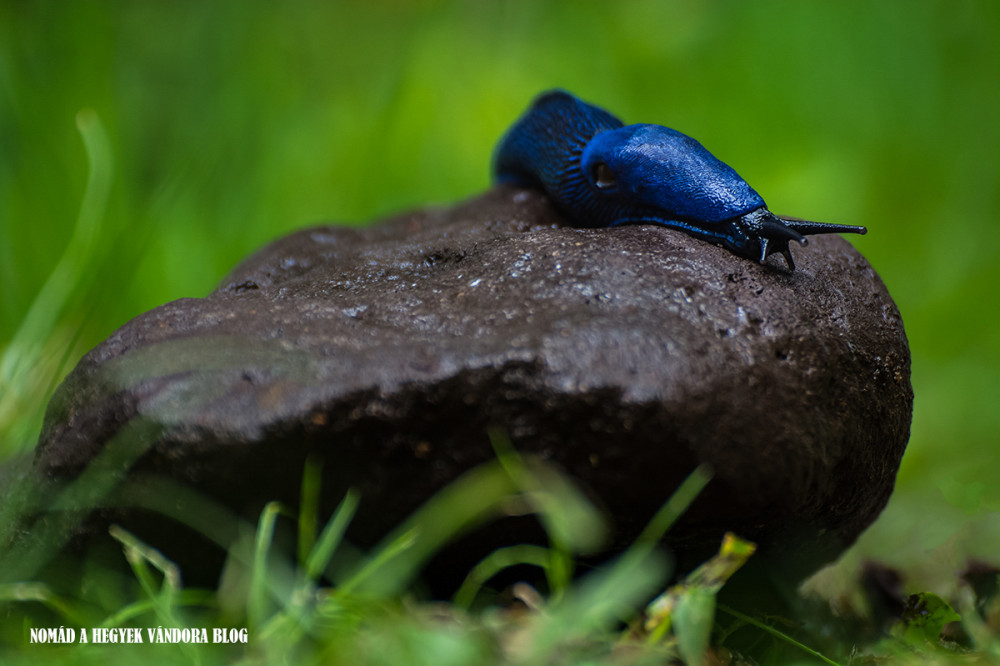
{"x":603,"y":173}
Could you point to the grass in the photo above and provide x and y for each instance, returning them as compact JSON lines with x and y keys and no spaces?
{"x":145,"y":149}
{"x":311,"y":608}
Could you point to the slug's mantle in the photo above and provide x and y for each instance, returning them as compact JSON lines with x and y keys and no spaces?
{"x":627,"y":356}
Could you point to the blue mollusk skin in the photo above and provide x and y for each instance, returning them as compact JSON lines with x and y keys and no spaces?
{"x":659,"y":167}
{"x":603,"y":173}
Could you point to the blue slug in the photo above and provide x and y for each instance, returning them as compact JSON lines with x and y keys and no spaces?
{"x":603,"y":173}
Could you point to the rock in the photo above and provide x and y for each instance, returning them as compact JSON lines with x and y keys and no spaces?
{"x":626,"y":356}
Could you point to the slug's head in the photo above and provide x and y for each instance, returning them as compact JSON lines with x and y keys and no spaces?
{"x":653,"y":171}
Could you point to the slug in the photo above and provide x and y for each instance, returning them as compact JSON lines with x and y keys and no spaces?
{"x":603,"y":173}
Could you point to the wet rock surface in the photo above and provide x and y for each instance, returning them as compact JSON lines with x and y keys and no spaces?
{"x":625,"y":356}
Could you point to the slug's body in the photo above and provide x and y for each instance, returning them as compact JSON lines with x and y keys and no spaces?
{"x":603,"y":173}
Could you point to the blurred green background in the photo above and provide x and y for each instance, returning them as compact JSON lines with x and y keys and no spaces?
{"x":231,"y":123}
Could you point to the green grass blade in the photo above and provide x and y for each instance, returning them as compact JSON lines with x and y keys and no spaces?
{"x":674,"y":507}
{"x":42,"y":539}
{"x":206,"y":516}
{"x":692,"y":624}
{"x":600,"y":601}
{"x":467,"y":501}
{"x":777,"y":634}
{"x":495,"y":562}
{"x":309,"y":507}
{"x":42,"y":593}
{"x":21,"y":361}
{"x":571,"y":521}
{"x":203,"y":598}
{"x":609,"y":595}
{"x":139,"y":554}
{"x":260,"y":586}
{"x":377,"y":565}
{"x":331,"y":537}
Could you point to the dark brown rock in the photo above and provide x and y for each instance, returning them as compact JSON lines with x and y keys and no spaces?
{"x":627,"y":356}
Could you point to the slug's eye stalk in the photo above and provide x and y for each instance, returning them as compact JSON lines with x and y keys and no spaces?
{"x":604,"y":179}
